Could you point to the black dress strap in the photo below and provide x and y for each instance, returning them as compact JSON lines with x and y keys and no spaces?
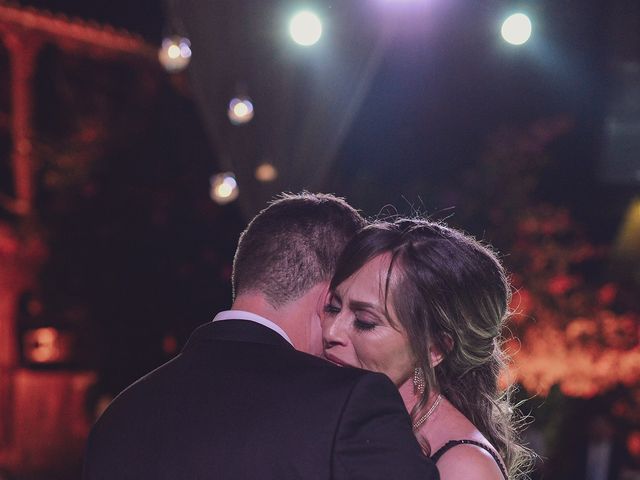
{"x":452,"y":443}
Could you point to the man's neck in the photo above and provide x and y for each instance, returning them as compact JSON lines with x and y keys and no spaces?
{"x":299,"y":318}
{"x":257,"y":303}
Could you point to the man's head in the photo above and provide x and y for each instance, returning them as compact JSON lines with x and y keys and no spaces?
{"x":285,"y":259}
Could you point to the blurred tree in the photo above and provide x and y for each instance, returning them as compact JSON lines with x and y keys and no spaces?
{"x":574,"y":334}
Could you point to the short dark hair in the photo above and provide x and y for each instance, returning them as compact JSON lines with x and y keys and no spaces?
{"x":292,"y":245}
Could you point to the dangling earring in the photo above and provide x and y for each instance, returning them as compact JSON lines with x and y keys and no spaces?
{"x":418,"y":381}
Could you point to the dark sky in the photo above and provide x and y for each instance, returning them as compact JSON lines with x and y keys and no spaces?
{"x":444,"y":86}
{"x":439,"y":94}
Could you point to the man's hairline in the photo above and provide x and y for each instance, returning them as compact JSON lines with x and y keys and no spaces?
{"x":263,"y":294}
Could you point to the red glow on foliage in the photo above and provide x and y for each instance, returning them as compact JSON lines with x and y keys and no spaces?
{"x":579,"y":387}
{"x":633,"y":444}
{"x":9,"y":244}
{"x":561,"y":284}
{"x":619,"y":331}
{"x":607,"y":294}
{"x":581,"y":329}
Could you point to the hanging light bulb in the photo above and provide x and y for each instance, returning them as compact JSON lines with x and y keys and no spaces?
{"x":266,"y":172}
{"x":224,"y":188}
{"x":175,"y":53}
{"x":240,"y":110}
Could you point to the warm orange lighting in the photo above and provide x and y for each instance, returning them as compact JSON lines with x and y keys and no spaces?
{"x":633,"y":444}
{"x":224,"y":188}
{"x":175,"y":53}
{"x":628,"y":241}
{"x":41,"y":344}
{"x":240,"y":110}
{"x":46,"y":345}
{"x":266,"y":172}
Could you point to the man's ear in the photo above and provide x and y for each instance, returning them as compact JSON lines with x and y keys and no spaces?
{"x":323,"y":298}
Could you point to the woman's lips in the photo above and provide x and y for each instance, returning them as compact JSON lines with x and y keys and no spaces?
{"x":334,"y":360}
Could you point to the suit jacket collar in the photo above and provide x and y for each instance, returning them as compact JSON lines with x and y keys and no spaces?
{"x":236,"y":331}
{"x":254,"y":317}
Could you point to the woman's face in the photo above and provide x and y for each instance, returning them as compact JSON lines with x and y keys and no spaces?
{"x":355,"y":327}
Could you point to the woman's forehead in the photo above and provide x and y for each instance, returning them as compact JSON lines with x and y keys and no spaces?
{"x":374,"y":283}
{"x":371,"y":275}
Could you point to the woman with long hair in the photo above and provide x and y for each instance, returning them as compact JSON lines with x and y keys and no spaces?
{"x":425,"y":304}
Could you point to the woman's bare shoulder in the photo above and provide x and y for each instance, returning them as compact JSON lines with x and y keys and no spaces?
{"x":464,"y":461}
{"x":468,"y":461}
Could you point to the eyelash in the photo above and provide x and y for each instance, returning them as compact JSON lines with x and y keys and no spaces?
{"x":363,"y":326}
{"x":358,"y":324}
{"x":331,"y":309}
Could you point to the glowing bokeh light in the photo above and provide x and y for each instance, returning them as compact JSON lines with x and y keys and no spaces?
{"x":516,"y":29}
{"x":240,"y":111}
{"x":175,"y":53}
{"x":626,"y":245}
{"x":224,"y":188}
{"x":305,"y":28}
{"x":266,"y":172}
{"x":42,"y":345}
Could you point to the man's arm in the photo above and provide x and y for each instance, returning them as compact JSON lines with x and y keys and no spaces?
{"x":375,"y":439}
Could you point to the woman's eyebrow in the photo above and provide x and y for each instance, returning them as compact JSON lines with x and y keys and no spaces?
{"x":360,"y":305}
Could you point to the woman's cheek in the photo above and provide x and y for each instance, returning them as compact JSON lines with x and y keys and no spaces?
{"x":371,"y":354}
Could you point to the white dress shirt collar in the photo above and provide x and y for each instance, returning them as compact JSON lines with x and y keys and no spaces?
{"x":252,"y":317}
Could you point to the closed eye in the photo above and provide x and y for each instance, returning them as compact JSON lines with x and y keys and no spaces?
{"x":331,"y":309}
{"x":363,"y":326}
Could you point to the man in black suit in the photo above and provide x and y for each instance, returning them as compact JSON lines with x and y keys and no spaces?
{"x":243,"y":400}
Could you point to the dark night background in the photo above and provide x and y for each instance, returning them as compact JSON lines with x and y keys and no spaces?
{"x":446,"y":82}
{"x":139,"y":254}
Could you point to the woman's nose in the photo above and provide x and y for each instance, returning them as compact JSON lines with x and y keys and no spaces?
{"x":333,"y":332}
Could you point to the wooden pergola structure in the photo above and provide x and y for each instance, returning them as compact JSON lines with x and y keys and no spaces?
{"x":24,"y":32}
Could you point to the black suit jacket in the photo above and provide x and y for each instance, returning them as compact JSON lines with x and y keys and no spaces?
{"x":240,"y":402}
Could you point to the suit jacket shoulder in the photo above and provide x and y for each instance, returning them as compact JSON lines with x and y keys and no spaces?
{"x":240,"y":403}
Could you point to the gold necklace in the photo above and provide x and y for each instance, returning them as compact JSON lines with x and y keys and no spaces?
{"x":426,"y":416}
